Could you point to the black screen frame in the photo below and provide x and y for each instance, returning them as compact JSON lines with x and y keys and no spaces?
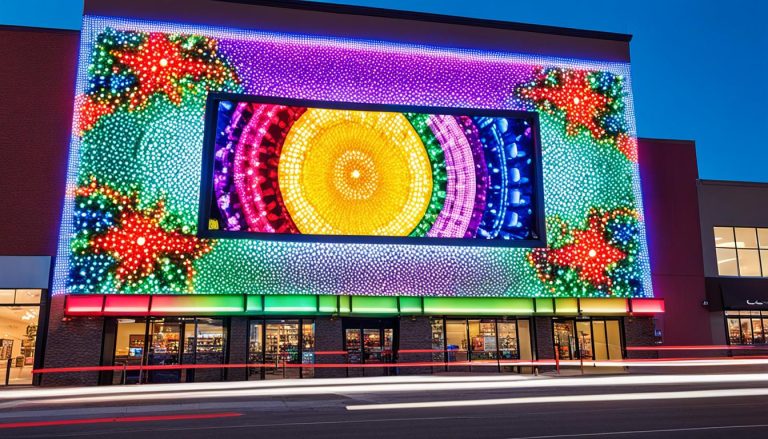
{"x":206,"y":178}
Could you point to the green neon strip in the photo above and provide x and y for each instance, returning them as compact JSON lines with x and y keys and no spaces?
{"x":254,"y":304}
{"x":328,"y":304}
{"x":566,"y":306}
{"x":477,"y":305}
{"x":290,"y":303}
{"x":545,"y":306}
{"x":374,"y":304}
{"x":197,"y":304}
{"x":345,"y":304}
{"x":410,"y":305}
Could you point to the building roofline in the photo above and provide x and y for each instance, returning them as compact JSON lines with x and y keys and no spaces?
{"x":13,"y":27}
{"x":707,"y":182}
{"x":336,"y":8}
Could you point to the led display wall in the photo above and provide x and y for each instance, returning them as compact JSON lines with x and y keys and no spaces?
{"x":329,"y":168}
{"x":132,"y":209}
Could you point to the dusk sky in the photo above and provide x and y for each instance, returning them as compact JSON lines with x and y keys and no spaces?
{"x":697,"y":66}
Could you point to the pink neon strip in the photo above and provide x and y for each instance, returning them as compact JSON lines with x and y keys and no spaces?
{"x":453,"y":221}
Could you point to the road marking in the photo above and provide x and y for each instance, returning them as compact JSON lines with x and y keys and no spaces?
{"x":629,"y":432}
{"x":115,"y":419}
{"x":641,"y":396}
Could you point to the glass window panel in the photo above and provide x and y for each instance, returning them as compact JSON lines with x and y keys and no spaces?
{"x":600,"y":337}
{"x":749,"y":263}
{"x":615,"y":351}
{"x":456,"y":339}
{"x":726,"y":262}
{"x":734,"y":331}
{"x":438,"y":341}
{"x":565,"y":340}
{"x":524,"y":339}
{"x":764,"y":262}
{"x":757,"y":331}
{"x":765,"y":330}
{"x":189,"y":342}
{"x":18,"y":335}
{"x":210,"y":341}
{"x":308,"y":347}
{"x":28,"y":296}
{"x":482,"y":336}
{"x":724,"y":237}
{"x":746,"y":237}
{"x":746,"y":331}
{"x":352,"y":345}
{"x":584,"y":336}
{"x":762,"y":238}
{"x":7,"y":296}
{"x":255,"y":346}
{"x":508,"y":340}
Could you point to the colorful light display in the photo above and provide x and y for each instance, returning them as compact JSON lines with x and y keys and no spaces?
{"x":131,"y":213}
{"x":298,"y":169}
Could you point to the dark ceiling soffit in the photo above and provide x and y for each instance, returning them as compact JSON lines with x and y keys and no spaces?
{"x":434,"y":18}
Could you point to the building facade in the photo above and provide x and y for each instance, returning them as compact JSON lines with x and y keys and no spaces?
{"x":531,"y":223}
{"x":734,"y":236}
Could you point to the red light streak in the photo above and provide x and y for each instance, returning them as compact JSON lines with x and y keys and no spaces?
{"x":122,"y":420}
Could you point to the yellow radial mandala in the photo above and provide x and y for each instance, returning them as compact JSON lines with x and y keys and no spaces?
{"x":344,"y":172}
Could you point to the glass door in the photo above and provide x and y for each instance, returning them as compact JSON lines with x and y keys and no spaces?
{"x":584,"y":337}
{"x":565,"y":341}
{"x":164,"y":338}
{"x":282,"y":349}
{"x":508,"y":349}
{"x":256,"y":349}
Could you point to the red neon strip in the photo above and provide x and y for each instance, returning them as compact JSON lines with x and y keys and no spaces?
{"x":388,"y":365}
{"x":110,"y":420}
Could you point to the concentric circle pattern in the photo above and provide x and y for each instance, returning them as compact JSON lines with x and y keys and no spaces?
{"x":316,"y":171}
{"x":355,"y":173}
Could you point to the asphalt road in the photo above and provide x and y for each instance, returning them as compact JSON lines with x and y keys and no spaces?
{"x":539,"y":408}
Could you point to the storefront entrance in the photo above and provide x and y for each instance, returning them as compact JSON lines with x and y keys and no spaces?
{"x":19,"y":316}
{"x":594,"y":339}
{"x":370,"y":341}
{"x":488,"y":340}
{"x":281,"y":348}
{"x":165,"y":341}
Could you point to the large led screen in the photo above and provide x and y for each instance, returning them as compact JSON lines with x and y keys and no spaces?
{"x":278,"y":167}
{"x":132,"y":212}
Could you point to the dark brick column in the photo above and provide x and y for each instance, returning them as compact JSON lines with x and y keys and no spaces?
{"x":238,"y":348}
{"x":545,"y":342}
{"x":328,"y":337}
{"x":639,"y":331}
{"x":415,"y":333}
{"x":72,"y":342}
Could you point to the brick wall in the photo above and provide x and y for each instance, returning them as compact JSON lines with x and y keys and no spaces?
{"x":72,"y":342}
{"x":639,"y":331}
{"x":237,"y":352}
{"x":415,"y":333}
{"x":328,"y":337}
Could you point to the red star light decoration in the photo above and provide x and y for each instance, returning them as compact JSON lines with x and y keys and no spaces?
{"x":139,"y":244}
{"x":574,"y":95}
{"x":159,"y":65}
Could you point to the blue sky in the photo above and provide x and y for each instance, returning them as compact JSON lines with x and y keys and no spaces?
{"x":698,"y":67}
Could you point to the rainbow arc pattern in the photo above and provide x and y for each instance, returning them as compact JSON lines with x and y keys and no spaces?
{"x":131,"y":212}
{"x":281,"y":169}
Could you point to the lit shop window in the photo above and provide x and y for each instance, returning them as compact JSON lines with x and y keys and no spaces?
{"x":742,"y":251}
{"x":747,"y":327}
